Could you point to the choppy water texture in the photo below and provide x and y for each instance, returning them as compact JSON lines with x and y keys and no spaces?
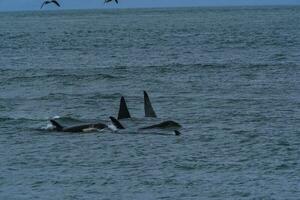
{"x":230,"y":76}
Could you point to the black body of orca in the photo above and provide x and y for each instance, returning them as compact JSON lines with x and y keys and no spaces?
{"x":79,"y":128}
{"x":149,"y":112}
{"x":163,"y":125}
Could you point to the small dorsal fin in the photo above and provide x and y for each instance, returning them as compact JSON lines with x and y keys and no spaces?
{"x":177,"y":132}
{"x":149,"y":112}
{"x":116,"y":123}
{"x":57,"y":125}
{"x":123,"y":110}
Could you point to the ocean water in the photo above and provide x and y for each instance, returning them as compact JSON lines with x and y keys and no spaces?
{"x":229,"y":76}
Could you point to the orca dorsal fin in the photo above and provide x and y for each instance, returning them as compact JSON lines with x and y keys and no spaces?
{"x":177,"y":132}
{"x":149,"y":111}
{"x":116,"y":123}
{"x":123,"y":110}
{"x":57,"y":125}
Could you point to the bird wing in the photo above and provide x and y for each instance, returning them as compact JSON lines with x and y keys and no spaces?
{"x":117,"y":1}
{"x":56,"y":3}
{"x":43,"y":4}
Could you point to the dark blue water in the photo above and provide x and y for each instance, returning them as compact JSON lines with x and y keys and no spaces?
{"x":230,"y":76}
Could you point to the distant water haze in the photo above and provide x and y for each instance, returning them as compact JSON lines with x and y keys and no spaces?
{"x":6,"y":5}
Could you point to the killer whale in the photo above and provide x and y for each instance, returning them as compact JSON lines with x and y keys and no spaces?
{"x":149,"y":113}
{"x":166,"y":125}
{"x":79,"y":128}
{"x":123,"y":114}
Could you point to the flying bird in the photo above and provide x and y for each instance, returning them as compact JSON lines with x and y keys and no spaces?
{"x":107,"y":1}
{"x":50,"y":1}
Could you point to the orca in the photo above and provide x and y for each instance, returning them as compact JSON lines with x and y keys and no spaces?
{"x":166,"y":125}
{"x":79,"y":128}
{"x":149,"y":113}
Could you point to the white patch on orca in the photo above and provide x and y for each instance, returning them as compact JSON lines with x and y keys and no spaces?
{"x":112,"y":127}
{"x":100,"y":130}
{"x":89,"y":129}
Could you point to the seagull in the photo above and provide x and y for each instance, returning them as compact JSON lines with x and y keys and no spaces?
{"x":50,"y":1}
{"x":106,"y":1}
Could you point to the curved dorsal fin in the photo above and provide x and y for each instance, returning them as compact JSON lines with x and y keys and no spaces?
{"x":123,"y":110}
{"x":116,"y":123}
{"x":57,"y":125}
{"x":149,"y":112}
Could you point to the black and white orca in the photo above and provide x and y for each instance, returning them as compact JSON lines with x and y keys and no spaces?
{"x":149,"y":113}
{"x":79,"y":128}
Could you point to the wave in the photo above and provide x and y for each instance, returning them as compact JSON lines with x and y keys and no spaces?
{"x":60,"y":76}
{"x":87,"y":95}
{"x":70,"y":119}
{"x":219,"y":65}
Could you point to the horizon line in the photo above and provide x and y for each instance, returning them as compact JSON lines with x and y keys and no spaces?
{"x":148,"y":7}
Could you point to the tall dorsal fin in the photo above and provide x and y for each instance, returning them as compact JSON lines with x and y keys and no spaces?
{"x":116,"y":123}
{"x":57,"y":125}
{"x":123,"y":110}
{"x":149,"y":112}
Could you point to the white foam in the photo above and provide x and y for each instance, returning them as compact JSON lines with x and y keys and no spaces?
{"x":48,"y":127}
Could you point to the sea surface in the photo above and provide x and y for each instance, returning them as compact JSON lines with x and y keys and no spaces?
{"x":230,"y":76}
